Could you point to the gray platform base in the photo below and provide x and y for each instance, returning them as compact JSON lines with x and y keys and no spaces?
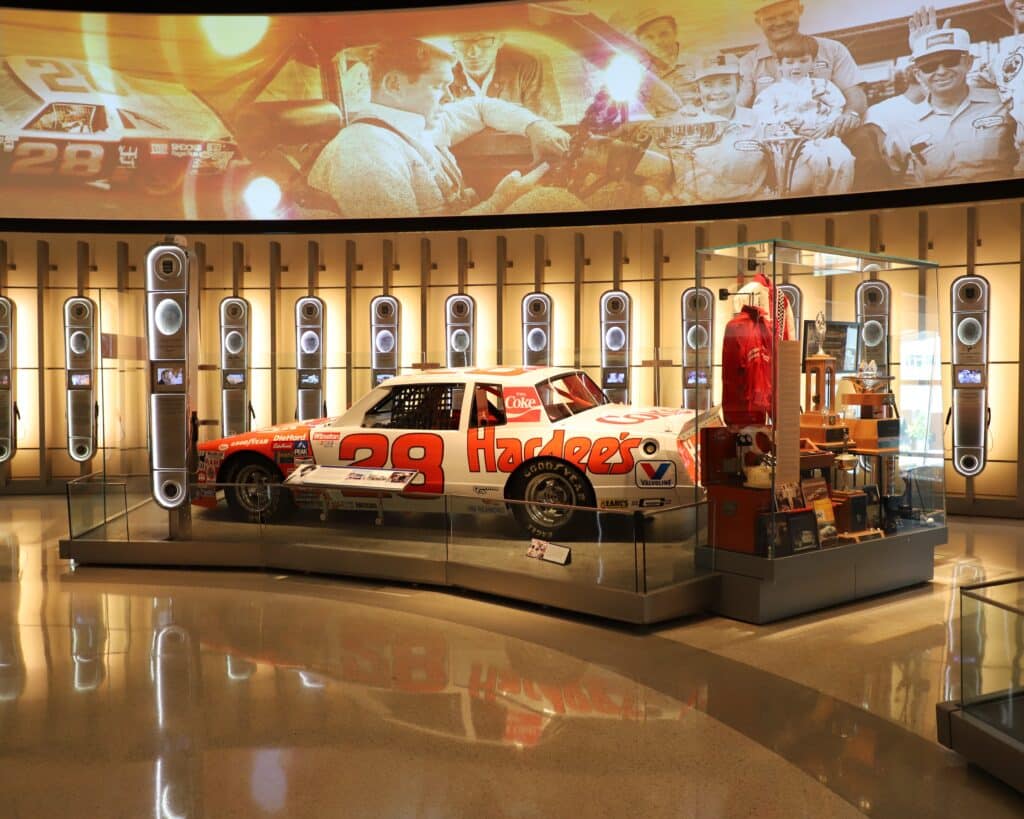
{"x":981,"y":744}
{"x":679,"y":599}
{"x":757,"y":590}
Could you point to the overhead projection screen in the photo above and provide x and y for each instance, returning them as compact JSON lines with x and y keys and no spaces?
{"x":501,"y":108}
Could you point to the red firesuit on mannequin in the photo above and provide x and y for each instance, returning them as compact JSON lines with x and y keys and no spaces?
{"x":747,"y":368}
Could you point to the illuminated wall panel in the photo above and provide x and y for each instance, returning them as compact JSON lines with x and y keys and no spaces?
{"x":999,"y":231}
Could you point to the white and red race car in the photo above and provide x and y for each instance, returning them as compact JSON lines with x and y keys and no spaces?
{"x":545,"y":435}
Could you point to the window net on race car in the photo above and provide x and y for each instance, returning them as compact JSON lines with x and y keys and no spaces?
{"x":569,"y":394}
{"x":418,"y":406}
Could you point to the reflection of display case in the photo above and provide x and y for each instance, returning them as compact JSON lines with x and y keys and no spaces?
{"x":829,"y":424}
{"x":987,"y":724}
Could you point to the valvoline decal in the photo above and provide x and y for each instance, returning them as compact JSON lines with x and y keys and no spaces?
{"x":522,"y":405}
{"x":655,"y":474}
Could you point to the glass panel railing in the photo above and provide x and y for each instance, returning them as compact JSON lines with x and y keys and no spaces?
{"x":668,"y":548}
{"x":97,"y":508}
{"x":599,"y":547}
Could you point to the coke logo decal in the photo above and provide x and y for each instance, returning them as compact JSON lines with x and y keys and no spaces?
{"x":522,"y":404}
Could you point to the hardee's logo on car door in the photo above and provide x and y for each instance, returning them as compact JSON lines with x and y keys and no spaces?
{"x":522,"y":406}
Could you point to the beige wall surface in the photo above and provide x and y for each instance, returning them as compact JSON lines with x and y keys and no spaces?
{"x":574,"y":266}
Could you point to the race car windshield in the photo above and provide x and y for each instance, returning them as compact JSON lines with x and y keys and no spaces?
{"x":15,"y":103}
{"x":569,"y":394}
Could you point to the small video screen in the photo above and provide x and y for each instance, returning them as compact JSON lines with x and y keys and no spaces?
{"x":615,"y":379}
{"x":696,"y":378}
{"x":968,"y":377}
{"x":81,"y":379}
{"x":234,"y":379}
{"x":309,"y":379}
{"x":170,"y":376}
{"x":380,"y":378}
{"x":5,"y":379}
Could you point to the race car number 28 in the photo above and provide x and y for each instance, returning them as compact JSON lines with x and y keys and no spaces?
{"x":421,"y":451}
{"x":46,"y":158}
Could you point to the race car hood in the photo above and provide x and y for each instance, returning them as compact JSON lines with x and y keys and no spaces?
{"x":292,"y":431}
{"x":632,"y":419}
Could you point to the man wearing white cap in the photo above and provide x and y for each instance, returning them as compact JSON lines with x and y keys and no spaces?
{"x":959,"y":133}
{"x":657,"y":31}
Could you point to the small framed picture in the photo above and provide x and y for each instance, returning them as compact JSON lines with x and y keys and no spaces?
{"x":803,"y":531}
{"x":788,"y":496}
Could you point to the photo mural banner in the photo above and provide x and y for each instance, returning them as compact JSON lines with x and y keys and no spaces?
{"x":502,"y":108}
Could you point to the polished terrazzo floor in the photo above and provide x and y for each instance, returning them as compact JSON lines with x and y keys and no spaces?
{"x":145,"y":693}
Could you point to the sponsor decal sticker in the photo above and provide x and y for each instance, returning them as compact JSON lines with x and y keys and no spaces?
{"x":483,"y":490}
{"x":606,"y":455}
{"x":522,"y":406}
{"x":655,"y":474}
{"x":327,"y":435}
{"x":614,"y":503}
{"x":286,"y":446}
{"x":159,"y":149}
{"x":301,"y":449}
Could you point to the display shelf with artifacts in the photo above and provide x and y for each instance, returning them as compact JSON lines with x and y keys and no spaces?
{"x":811,"y":475}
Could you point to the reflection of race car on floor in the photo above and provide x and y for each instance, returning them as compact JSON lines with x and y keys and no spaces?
{"x":67,"y":120}
{"x":547,"y":436}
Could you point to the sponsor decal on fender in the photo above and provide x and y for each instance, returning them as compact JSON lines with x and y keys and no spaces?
{"x":655,"y":474}
{"x":614,"y":503}
{"x":485,"y":452}
{"x":323,"y":436}
{"x":282,"y":445}
{"x":640,"y":416}
{"x":522,"y":406}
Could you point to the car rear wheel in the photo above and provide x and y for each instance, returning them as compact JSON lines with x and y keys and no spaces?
{"x":548,"y":486}
{"x":254,"y":493}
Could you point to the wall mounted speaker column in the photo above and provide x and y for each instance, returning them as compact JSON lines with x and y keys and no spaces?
{"x":81,"y":337}
{"x":537,"y":311}
{"x":616,"y":343}
{"x":309,"y":357}
{"x":969,"y":297}
{"x":795,"y":297}
{"x":234,"y":365}
{"x":874,"y":302}
{"x":460,"y":330}
{"x":8,"y":433}
{"x":698,"y":311}
{"x":385,"y":337}
{"x":167,"y":328}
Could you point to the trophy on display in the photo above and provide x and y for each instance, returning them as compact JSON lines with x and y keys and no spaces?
{"x":819,"y":421}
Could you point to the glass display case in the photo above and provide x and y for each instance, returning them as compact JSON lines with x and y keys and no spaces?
{"x":826,"y":452}
{"x":987,"y":724}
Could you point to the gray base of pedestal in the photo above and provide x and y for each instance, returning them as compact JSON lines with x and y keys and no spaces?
{"x":981,"y":744}
{"x":757,"y":590}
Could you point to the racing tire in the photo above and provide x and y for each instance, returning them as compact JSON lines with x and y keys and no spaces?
{"x":549,"y":480}
{"x":251,"y":500}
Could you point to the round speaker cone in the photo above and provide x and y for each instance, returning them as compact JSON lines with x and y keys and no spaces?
{"x":170,"y":490}
{"x":167,"y":266}
{"x":168,"y":317}
{"x":874,"y":295}
{"x":536,"y":307}
{"x":79,"y":311}
{"x":3,"y":342}
{"x":872,"y":333}
{"x":968,"y":463}
{"x":79,"y":342}
{"x":459,"y":308}
{"x":81,"y":450}
{"x":3,"y":310}
{"x":309,"y":342}
{"x":384,"y":341}
{"x":536,"y":340}
{"x":970,"y":292}
{"x":697,"y":337}
{"x":384,"y":309}
{"x":310,"y":310}
{"x":234,"y":342}
{"x":4,"y":452}
{"x":969,"y":331}
{"x":698,"y":302}
{"x":234,"y":311}
{"x":615,"y":339}
{"x":615,"y":305}
{"x":460,"y":341}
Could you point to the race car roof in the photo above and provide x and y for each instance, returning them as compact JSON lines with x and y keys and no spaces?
{"x":506,"y":376}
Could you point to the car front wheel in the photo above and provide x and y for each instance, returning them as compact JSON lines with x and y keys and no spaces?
{"x":255,"y":493}
{"x":548,"y":486}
